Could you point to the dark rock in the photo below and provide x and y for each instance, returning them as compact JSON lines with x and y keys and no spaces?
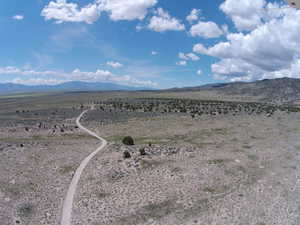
{"x":142,"y":151}
{"x":126,"y":155}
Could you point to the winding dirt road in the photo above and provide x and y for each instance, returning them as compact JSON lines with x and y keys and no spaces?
{"x":68,"y":202}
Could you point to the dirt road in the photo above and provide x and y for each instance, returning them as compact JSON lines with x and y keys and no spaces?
{"x":66,"y":217}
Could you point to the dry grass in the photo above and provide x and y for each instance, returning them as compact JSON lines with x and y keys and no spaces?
{"x":171,"y":130}
{"x":67,"y":169}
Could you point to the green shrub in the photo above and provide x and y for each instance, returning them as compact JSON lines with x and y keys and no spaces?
{"x":128,"y":141}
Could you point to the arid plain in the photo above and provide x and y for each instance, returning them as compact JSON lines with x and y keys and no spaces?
{"x":198,"y":158}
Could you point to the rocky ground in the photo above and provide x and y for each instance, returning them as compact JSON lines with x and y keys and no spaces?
{"x":194,"y":167}
{"x":36,"y":163}
{"x":236,"y":170}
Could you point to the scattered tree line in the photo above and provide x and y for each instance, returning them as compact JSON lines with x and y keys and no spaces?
{"x":192,"y":107}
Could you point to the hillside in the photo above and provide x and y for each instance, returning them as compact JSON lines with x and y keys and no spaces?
{"x":274,"y":90}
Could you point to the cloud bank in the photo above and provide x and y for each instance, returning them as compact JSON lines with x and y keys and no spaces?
{"x":64,"y":11}
{"x":267,"y":44}
{"x":75,"y":75}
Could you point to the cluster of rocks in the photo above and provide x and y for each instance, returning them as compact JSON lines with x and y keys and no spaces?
{"x":129,"y":147}
{"x":63,"y":128}
{"x":138,"y":158}
{"x":52,"y":129}
{"x":133,"y":155}
{"x":42,"y":117}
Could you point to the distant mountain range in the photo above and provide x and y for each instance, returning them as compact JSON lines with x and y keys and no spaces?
{"x":271,"y":90}
{"x":10,"y":88}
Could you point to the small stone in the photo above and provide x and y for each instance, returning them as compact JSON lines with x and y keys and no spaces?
{"x":13,"y":181}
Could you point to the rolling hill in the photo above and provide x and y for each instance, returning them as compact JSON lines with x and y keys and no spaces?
{"x":271,"y":90}
{"x":281,"y":90}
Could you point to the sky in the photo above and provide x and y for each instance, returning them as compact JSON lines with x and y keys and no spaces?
{"x":147,"y":43}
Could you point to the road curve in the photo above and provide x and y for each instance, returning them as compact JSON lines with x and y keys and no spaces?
{"x":68,"y":202}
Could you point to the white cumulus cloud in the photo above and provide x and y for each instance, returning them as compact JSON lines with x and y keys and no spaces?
{"x":199,"y":72}
{"x":270,"y":50}
{"x":194,"y":15}
{"x":206,"y":30}
{"x":192,"y":56}
{"x":62,"y":11}
{"x":182,"y":56}
{"x":162,"y":21}
{"x":126,"y":9}
{"x":181,"y":63}
{"x":18,"y":17}
{"x":114,"y":64}
{"x":246,"y":14}
{"x":200,"y":49}
{"x":188,"y":56}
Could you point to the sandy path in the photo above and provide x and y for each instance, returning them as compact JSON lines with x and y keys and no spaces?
{"x":68,"y":202}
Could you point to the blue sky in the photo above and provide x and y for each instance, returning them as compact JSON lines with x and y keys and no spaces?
{"x":155,"y":43}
